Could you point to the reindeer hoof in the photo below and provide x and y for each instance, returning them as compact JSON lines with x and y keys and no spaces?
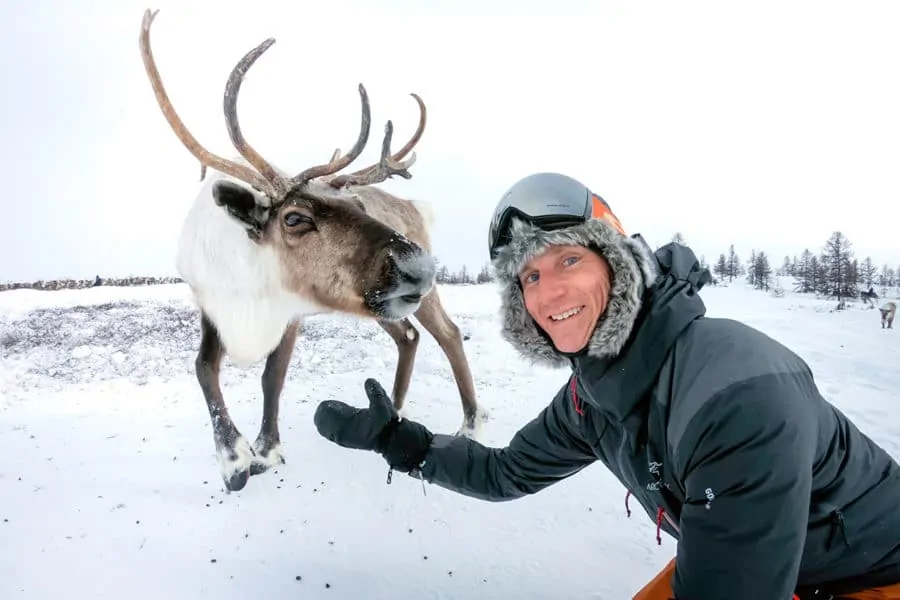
{"x":237,"y":481}
{"x":234,"y":463}
{"x":267,"y":455}
{"x":258,"y":467}
{"x":471,"y":425}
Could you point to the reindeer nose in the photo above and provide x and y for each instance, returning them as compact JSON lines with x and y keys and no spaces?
{"x":416,"y":268}
{"x":408,"y":276}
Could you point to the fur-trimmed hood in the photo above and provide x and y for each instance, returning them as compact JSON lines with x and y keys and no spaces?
{"x":633,"y":270}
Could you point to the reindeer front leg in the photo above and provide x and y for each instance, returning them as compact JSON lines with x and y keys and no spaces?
{"x":406,"y":337}
{"x":437,"y":322}
{"x":268,"y":442}
{"x":233,"y":450}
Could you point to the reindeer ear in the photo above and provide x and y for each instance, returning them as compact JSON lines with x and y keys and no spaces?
{"x":243,"y":205}
{"x":237,"y":199}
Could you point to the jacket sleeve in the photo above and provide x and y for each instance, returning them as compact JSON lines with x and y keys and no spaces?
{"x":748,"y":459}
{"x":546,"y":450}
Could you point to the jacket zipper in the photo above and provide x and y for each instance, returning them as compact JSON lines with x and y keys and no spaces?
{"x":671,"y":522}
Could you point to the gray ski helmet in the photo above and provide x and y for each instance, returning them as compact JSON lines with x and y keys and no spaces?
{"x":548,"y":201}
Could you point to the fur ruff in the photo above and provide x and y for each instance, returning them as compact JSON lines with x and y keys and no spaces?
{"x":633,"y":269}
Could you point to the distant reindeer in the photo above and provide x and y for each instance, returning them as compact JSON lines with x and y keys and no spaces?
{"x":888,"y":310}
{"x":261,"y":249}
{"x":868,"y":296}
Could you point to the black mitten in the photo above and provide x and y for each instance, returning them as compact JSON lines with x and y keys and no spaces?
{"x":401,"y":442}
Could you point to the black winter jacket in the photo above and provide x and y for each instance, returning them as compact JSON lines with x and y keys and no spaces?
{"x":721,"y":435}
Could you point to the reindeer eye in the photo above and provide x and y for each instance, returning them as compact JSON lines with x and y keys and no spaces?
{"x":294,"y":219}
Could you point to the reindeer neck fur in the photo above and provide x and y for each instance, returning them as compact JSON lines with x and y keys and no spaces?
{"x":235,"y":281}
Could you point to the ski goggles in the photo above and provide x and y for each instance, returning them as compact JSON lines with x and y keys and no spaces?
{"x":557,"y":210}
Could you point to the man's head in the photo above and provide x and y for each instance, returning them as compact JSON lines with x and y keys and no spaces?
{"x":566,"y":289}
{"x":572,"y":279}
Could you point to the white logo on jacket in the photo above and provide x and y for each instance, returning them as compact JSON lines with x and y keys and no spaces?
{"x":655,"y":486}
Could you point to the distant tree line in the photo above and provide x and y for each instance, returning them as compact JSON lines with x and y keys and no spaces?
{"x":77,"y":284}
{"x":463,"y":276}
{"x":832,"y":272}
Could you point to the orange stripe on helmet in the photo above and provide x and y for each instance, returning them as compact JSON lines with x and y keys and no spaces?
{"x":601,"y":210}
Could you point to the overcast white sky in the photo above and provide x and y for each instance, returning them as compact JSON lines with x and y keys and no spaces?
{"x":765,"y":124}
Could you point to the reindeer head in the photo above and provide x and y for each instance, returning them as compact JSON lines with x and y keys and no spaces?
{"x":330,"y":249}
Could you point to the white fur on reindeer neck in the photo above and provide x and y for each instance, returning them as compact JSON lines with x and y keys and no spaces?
{"x":238,"y":282}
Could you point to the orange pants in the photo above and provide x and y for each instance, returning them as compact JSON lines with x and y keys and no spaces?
{"x":660,"y":588}
{"x":890,"y":592}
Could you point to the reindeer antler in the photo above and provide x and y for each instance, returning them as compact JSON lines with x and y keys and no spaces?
{"x":283,"y":185}
{"x":266,"y":178}
{"x":229,"y":102}
{"x":205,"y":157}
{"x":387,"y":166}
{"x":336,"y":164}
{"x":420,"y":129}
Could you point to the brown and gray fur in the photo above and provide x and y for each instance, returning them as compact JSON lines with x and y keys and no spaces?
{"x":888,"y":310}
{"x":261,"y":249}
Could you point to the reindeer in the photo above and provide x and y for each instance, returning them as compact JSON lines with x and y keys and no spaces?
{"x":888,"y":310}
{"x":260,"y":249}
{"x":869,"y":296}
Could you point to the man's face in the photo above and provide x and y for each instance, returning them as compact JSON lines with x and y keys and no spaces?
{"x":566,"y":289}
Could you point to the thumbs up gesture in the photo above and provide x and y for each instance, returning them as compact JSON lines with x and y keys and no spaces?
{"x":378,"y":428}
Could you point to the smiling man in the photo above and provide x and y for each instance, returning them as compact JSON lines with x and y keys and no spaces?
{"x":566,"y":289}
{"x":717,"y":431}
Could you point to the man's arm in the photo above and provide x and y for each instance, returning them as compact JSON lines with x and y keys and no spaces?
{"x":748,"y":456}
{"x":546,"y":450}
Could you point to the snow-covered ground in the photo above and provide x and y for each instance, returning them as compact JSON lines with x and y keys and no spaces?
{"x":109,"y":487}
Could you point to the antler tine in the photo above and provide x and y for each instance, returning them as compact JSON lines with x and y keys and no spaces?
{"x":423,"y":115}
{"x":229,"y":100}
{"x":205,"y":157}
{"x":387,"y":166}
{"x":336,"y":164}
